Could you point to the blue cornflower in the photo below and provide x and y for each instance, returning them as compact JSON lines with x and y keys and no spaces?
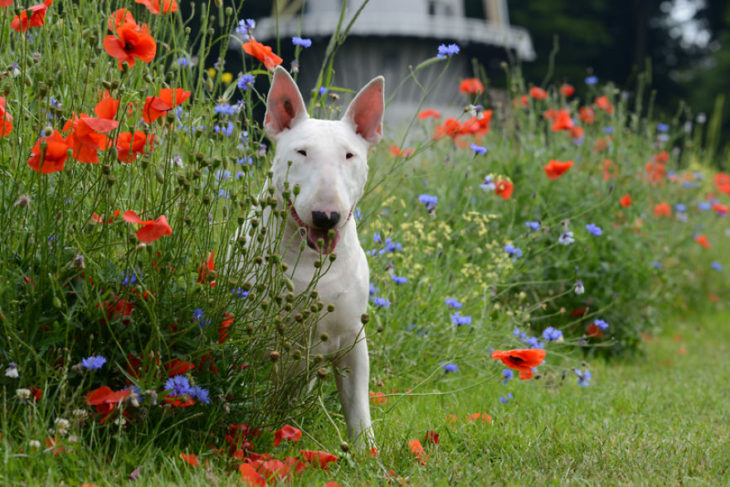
{"x":662,"y":127}
{"x":608,"y":130}
{"x":478,"y":149}
{"x":450,"y":367}
{"x":591,"y":80}
{"x":183,"y":62}
{"x":452,"y":303}
{"x":704,"y":206}
{"x":224,"y":193}
{"x":515,"y":252}
{"x":245,"y":161}
{"x":322,"y":90}
{"x":600,"y":324}
{"x":459,"y":320}
{"x":506,"y":399}
{"x":178,"y":386}
{"x":584,"y":378}
{"x":532,"y":342}
{"x":594,"y":229}
{"x":245,"y":27}
{"x":390,"y":246}
{"x":716,"y":265}
{"x":579,"y":288}
{"x":429,"y":201}
{"x":566,"y":238}
{"x":303,"y":42}
{"x":239,"y":292}
{"x":380,"y":302}
{"x":373,"y":289}
{"x":657,"y":265}
{"x":507,"y":374}
{"x":129,"y":278}
{"x":226,"y":109}
{"x":357,"y":214}
{"x":399,"y":279}
{"x":448,"y":51}
{"x":225,"y":130}
{"x":199,"y":316}
{"x":223,"y":174}
{"x":552,"y":334}
{"x":488,"y":184}
{"x":246,"y":81}
{"x":534,"y":226}
{"x":93,"y":363}
{"x":680,"y":207}
{"x":202,"y":394}
{"x":377,"y":238}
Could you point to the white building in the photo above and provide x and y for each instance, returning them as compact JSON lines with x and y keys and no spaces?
{"x":390,"y":36}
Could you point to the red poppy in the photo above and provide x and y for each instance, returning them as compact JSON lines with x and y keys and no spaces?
{"x":132,"y":42}
{"x":567,"y":90}
{"x":37,"y":17}
{"x":398,"y":152}
{"x":129,"y":146}
{"x":209,"y":265}
{"x":107,"y":107}
{"x":586,"y":114}
{"x":159,"y":6}
{"x":521,"y":360}
{"x":319,"y":459}
{"x":662,"y":209}
{"x":722,"y":182}
{"x":482,"y":416}
{"x":429,"y":112}
{"x":287,"y":432}
{"x":594,"y":331}
{"x":178,"y":367}
{"x":503,"y":188}
{"x":54,"y":157}
{"x":87,"y":136}
{"x":105,"y":400}
{"x":608,"y":168}
{"x":151,"y":229}
{"x":250,"y":476}
{"x":225,"y":324}
{"x":471,"y":86}
{"x":655,"y":172}
{"x":55,"y":445}
{"x":538,"y":93}
{"x":603,"y":103}
{"x":191,"y":459}
{"x":36,"y":392}
{"x":576,"y":132}
{"x":550,"y":114}
{"x":477,"y":125}
{"x":119,"y":18}
{"x":625,"y":200}
{"x":450,"y":127}
{"x":562,"y":121}
{"x":167,"y":99}
{"x":378,"y":398}
{"x":702,"y":240}
{"x":5,"y":126}
{"x":720,"y":209}
{"x":417,"y":450}
{"x":119,"y":308}
{"x":554,"y":169}
{"x":6,"y":3}
{"x":432,"y":437}
{"x":262,"y":52}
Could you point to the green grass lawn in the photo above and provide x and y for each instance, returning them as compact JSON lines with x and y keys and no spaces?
{"x":658,"y":420}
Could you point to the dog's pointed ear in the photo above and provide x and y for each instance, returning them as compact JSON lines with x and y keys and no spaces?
{"x":284,"y":104}
{"x":365,"y":112}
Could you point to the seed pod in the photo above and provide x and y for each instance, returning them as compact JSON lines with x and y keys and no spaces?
{"x":289,"y":284}
{"x":160,"y":176}
{"x":56,"y":302}
{"x":322,"y":372}
{"x":364,"y":318}
{"x":274,"y":355}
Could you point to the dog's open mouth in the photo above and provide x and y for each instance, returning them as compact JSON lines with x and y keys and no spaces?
{"x":316,"y":236}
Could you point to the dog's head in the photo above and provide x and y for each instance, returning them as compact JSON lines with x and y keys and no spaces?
{"x":328,"y":157}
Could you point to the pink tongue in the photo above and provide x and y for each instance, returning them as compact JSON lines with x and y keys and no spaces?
{"x":314,"y":234}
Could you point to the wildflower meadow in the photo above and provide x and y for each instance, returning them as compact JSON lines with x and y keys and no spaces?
{"x":528,"y":260}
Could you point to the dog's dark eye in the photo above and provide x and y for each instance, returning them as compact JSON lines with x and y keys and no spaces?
{"x":349,"y":155}
{"x":302,"y":152}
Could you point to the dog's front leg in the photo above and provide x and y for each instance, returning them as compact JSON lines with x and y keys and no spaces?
{"x":352,"y":385}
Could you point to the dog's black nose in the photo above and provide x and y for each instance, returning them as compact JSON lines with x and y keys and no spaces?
{"x":322,"y":220}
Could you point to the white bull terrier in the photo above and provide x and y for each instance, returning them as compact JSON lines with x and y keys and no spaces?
{"x":329,"y":163}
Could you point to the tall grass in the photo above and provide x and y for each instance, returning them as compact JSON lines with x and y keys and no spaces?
{"x":472,"y":246}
